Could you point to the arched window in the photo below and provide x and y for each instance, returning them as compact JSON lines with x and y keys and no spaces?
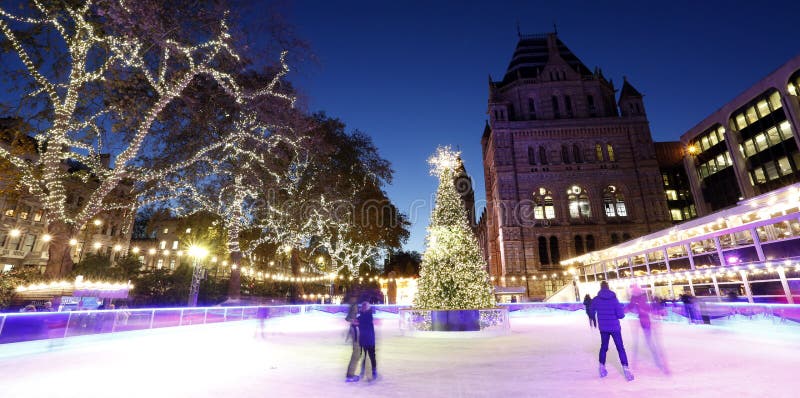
{"x":565,"y":154}
{"x":614,"y":202}
{"x":531,"y":156}
{"x":543,"y":206}
{"x":568,"y":105}
{"x":598,"y":152}
{"x":590,"y":243}
{"x":626,"y":237}
{"x":576,"y":153}
{"x":554,"y":255}
{"x":579,"y":249}
{"x":556,"y":111}
{"x":542,"y":155}
{"x":544,"y":258}
{"x":531,"y":108}
{"x":614,"y":238}
{"x":578,"y":203}
{"x":610,"y":151}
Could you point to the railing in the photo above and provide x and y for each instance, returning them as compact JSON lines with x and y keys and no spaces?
{"x":21,"y":327}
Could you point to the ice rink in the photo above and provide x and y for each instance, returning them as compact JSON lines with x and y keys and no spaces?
{"x":546,"y":355}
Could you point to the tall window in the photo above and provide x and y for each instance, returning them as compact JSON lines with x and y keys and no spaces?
{"x":565,"y":154}
{"x":531,"y":108}
{"x":589,"y":243}
{"x":556,"y":111}
{"x":554,"y":255}
{"x":590,"y":105}
{"x":576,"y":153}
{"x":610,"y":151}
{"x":626,"y":237}
{"x":544,"y":258}
{"x":579,"y":249}
{"x":542,"y":155}
{"x":598,"y":152}
{"x":531,"y":156}
{"x":578,"y":203}
{"x":544,"y":208}
{"x":568,"y":105}
{"x":614,"y":202}
{"x":614,"y":239}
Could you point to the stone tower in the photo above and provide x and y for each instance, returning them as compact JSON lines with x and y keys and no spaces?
{"x":568,"y":169}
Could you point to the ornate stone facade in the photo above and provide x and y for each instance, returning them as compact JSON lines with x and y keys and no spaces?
{"x":567,"y":168}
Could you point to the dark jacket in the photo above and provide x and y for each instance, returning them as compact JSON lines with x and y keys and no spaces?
{"x":366,"y":329}
{"x":587,"y":303}
{"x":608,"y":311}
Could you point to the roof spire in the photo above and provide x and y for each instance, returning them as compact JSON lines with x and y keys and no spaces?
{"x":519,"y":32}
{"x":555,"y":28}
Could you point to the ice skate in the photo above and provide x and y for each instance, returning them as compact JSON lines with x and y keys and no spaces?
{"x":351,"y":379}
{"x":603,"y":371}
{"x":628,"y":373}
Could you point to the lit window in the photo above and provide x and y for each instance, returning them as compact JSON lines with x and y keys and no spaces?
{"x":761,"y":142}
{"x":166,"y":230}
{"x":11,"y":209}
{"x":160,"y":263}
{"x":775,"y":101}
{"x":578,"y":203}
{"x":771,"y":170}
{"x":784,"y":167}
{"x":24,"y":212}
{"x":740,"y":121}
{"x":610,"y":150}
{"x":763,"y":108}
{"x":773,"y":137}
{"x":752,"y":117}
{"x":163,"y":244}
{"x":172,"y":264}
{"x":174,"y":245}
{"x":758,"y":176}
{"x":38,"y":215}
{"x":598,"y":152}
{"x":676,"y":214}
{"x":671,"y":194}
{"x":188,"y":230}
{"x":786,"y":130}
{"x":544,"y":208}
{"x":614,"y":202}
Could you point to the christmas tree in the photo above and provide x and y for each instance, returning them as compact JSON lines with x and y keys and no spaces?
{"x":452,"y":274}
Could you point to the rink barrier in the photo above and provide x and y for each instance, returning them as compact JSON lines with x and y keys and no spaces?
{"x":31,"y":326}
{"x":454,"y":323}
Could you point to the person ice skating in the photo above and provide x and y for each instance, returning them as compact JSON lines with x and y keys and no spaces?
{"x":352,"y":334}
{"x":608,"y":311}
{"x":366,"y":338}
{"x":688,"y":305}
{"x":261,"y":314}
{"x":639,"y":305}
{"x":587,"y":303}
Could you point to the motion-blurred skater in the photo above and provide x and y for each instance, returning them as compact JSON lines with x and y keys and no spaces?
{"x":367,"y":338}
{"x":639,"y":305}
{"x":587,"y":303}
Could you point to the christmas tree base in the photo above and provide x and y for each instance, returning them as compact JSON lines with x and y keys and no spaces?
{"x":454,"y":323}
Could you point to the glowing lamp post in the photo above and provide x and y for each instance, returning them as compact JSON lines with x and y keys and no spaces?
{"x":197,"y":253}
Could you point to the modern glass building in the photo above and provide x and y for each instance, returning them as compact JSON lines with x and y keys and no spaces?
{"x":749,"y":146}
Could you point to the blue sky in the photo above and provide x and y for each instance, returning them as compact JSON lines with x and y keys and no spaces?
{"x":414,"y":74}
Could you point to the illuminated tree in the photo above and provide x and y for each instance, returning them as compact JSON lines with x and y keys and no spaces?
{"x":105,"y":73}
{"x":453,"y":274}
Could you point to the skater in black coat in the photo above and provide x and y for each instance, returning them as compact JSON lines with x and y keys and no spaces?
{"x":587,"y":303}
{"x":366,"y":331}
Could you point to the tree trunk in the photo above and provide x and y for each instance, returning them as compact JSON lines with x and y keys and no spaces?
{"x":59,"y":261}
{"x":235,"y":283}
{"x":296,"y":288}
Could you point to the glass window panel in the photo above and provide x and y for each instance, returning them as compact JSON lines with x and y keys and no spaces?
{"x":712,"y":138}
{"x":721,"y":162}
{"x":538,"y":212}
{"x":721,"y":133}
{"x":786,"y":130}
{"x":773,"y":136}
{"x":771,"y":170}
{"x":728,"y":159}
{"x":775,"y":101}
{"x":752,"y":117}
{"x":784,"y":167}
{"x":761,"y":142}
{"x":704,"y":144}
{"x":550,"y":212}
{"x":763,"y":108}
{"x":703,"y":170}
{"x":740,"y":121}
{"x":609,"y":207}
{"x":671,"y":194}
{"x":749,"y":148}
{"x":759,"y":176}
{"x":621,"y":210}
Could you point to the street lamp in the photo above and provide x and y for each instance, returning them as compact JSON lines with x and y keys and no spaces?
{"x":197,"y":253}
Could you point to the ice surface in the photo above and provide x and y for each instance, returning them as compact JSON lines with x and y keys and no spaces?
{"x":548,"y":354}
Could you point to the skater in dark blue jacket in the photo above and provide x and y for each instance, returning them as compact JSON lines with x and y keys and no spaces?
{"x":367,"y":337}
{"x":608,"y":311}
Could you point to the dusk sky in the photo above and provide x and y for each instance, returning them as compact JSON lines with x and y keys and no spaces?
{"x":413,"y":75}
